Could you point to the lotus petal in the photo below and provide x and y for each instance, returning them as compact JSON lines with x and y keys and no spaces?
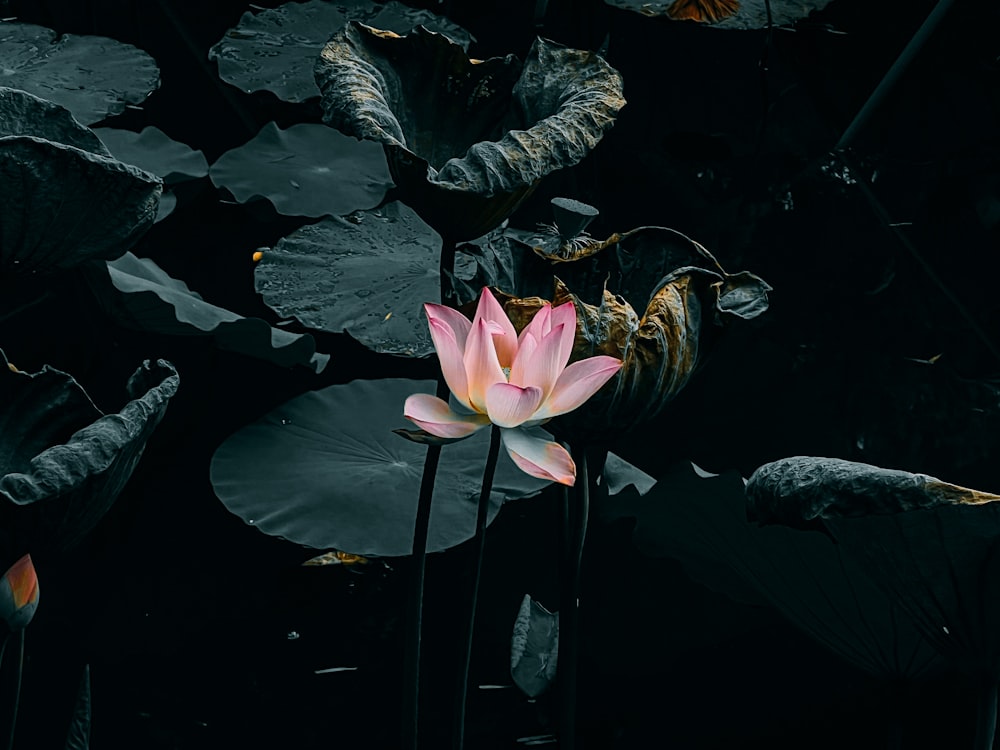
{"x":534,"y":648}
{"x":60,"y":205}
{"x":19,"y":594}
{"x":140,"y":295}
{"x":725,"y":14}
{"x":701,"y":521}
{"x":367,"y":274}
{"x":306,"y":170}
{"x":91,"y":76}
{"x":324,"y":470}
{"x":933,"y":547}
{"x":466,"y":140}
{"x":62,"y":462}
{"x":154,"y":151}
{"x":275,"y":50}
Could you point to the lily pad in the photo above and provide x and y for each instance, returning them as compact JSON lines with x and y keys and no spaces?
{"x":275,"y":50}
{"x":62,"y":461}
{"x":22,"y":113}
{"x":60,"y":205}
{"x":368,"y":274}
{"x":154,"y":151}
{"x":306,"y":170}
{"x":325,"y":470}
{"x":92,"y":76}
{"x":725,"y":14}
{"x":700,"y":519}
{"x":140,"y":295}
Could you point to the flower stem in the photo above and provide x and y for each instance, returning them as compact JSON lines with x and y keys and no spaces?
{"x":17,"y":688}
{"x":415,"y":599}
{"x":574,"y":520}
{"x":986,"y":717}
{"x":458,"y":741}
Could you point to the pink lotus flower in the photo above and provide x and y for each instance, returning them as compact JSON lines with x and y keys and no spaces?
{"x":515,"y":382}
{"x":19,"y":594}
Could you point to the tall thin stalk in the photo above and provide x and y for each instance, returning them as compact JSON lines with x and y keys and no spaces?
{"x":575,"y":515}
{"x":415,"y":598}
{"x":17,"y":688}
{"x":458,"y":740}
{"x":986,"y":717}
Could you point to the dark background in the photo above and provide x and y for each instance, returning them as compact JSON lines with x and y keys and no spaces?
{"x":184,"y":612}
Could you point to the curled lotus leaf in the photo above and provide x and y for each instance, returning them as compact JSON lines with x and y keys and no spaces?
{"x":700,"y":519}
{"x":804,"y":488}
{"x":466,"y":140}
{"x":22,"y":113}
{"x":155,"y":152}
{"x":61,"y":205}
{"x":325,"y":470}
{"x":91,"y":76}
{"x":725,"y":14}
{"x":275,"y":50}
{"x":662,"y":347}
{"x":932,"y":546}
{"x":534,"y":647}
{"x":63,"y":462}
{"x":306,"y":170}
{"x":140,"y":295}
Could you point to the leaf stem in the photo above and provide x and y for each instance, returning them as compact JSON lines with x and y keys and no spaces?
{"x":575,"y":516}
{"x":17,"y":688}
{"x":482,"y":515}
{"x":986,"y":717}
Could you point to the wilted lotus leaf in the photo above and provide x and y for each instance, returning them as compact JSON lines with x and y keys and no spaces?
{"x":466,"y":140}
{"x":92,"y":76}
{"x":933,"y":547}
{"x":661,"y":348}
{"x":62,"y":461}
{"x":325,"y":470}
{"x":368,"y":274}
{"x":140,"y":295}
{"x":534,"y":648}
{"x":725,"y":14}
{"x":154,"y":151}
{"x":700,"y":519}
{"x":275,"y":50}
{"x":306,"y":170}
{"x":60,"y":205}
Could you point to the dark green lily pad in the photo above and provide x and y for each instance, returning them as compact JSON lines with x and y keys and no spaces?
{"x":700,"y":519}
{"x":168,"y":202}
{"x":22,"y":113}
{"x":744,"y":14}
{"x":275,"y":50}
{"x":306,"y":170}
{"x":62,"y":461}
{"x":92,"y":76}
{"x":140,"y":295}
{"x":325,"y":470}
{"x":368,"y":274}
{"x":154,"y":151}
{"x":60,"y":205}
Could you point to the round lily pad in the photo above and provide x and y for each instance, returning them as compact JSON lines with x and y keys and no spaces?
{"x":156,"y":152}
{"x":368,"y":274}
{"x":275,"y":50}
{"x":325,"y":470}
{"x":92,"y":76}
{"x":725,"y":14}
{"x":306,"y":170}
